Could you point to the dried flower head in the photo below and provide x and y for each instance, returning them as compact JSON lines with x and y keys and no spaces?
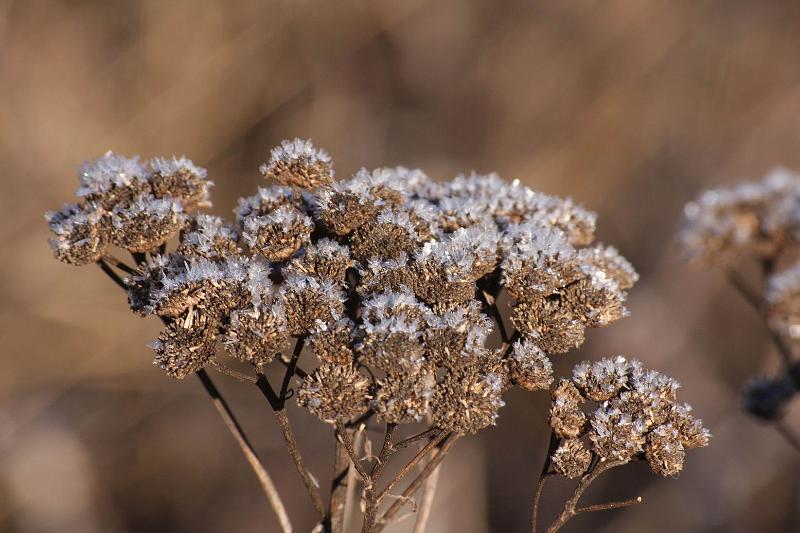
{"x":571,"y":459}
{"x":664,"y":450}
{"x":180,"y":350}
{"x":325,"y":259}
{"x":179,"y":178}
{"x":210,"y":237}
{"x":467,"y":400}
{"x":297,"y":163}
{"x":256,"y":334}
{"x":307,"y":301}
{"x":79,"y":235}
{"x":749,"y":220}
{"x":278,"y":235}
{"x":335,"y":393}
{"x":333,"y":343}
{"x":636,"y":414}
{"x":111,"y":179}
{"x":145,"y":222}
{"x":529,"y":366}
{"x":405,"y":398}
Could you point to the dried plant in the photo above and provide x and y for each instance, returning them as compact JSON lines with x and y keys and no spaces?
{"x":757,"y":224}
{"x":392,"y":285}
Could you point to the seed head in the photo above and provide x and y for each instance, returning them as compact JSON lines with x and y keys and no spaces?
{"x":571,"y":459}
{"x":298,"y":164}
{"x":80,"y":233}
{"x":335,"y":393}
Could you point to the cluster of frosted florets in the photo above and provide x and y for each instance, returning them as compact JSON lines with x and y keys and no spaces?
{"x":757,"y":221}
{"x":636,"y":416}
{"x":388,"y":275}
{"x":753,"y":219}
{"x":126,"y":203}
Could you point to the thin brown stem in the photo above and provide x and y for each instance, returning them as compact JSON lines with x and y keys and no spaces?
{"x":755,"y":300}
{"x":344,"y":437}
{"x":110,"y":259}
{"x":233,"y":426}
{"x":429,"y":468}
{"x":352,"y":480}
{"x":411,"y":464}
{"x":414,"y":438}
{"x":545,"y":473}
{"x":294,"y":452}
{"x":608,"y":506}
{"x":428,"y":493}
{"x":247,"y":449}
{"x":571,"y":506}
{"x":291,"y":444}
{"x":228,"y":371}
{"x":371,"y":500}
{"x":339,"y":488}
{"x":291,"y":368}
{"x":490,"y":304}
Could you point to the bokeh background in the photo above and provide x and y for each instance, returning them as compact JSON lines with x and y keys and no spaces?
{"x":629,"y":107}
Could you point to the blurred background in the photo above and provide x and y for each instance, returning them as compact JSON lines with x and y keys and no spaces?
{"x":631,"y":108}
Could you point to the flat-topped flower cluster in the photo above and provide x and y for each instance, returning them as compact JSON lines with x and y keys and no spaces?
{"x":636,"y":415}
{"x":385,"y":274}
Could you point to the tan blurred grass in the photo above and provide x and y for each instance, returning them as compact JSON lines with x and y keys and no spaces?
{"x":629,"y":107}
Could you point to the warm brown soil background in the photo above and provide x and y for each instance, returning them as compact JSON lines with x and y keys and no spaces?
{"x":630,"y":107}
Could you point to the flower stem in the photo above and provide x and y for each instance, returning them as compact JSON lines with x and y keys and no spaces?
{"x":233,"y":426}
{"x":545,"y":473}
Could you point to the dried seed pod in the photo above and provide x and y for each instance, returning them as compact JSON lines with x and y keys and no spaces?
{"x":210,"y":237}
{"x":308,"y":301}
{"x":298,"y":164}
{"x":566,"y":393}
{"x":142,"y":224}
{"x":333,"y":343}
{"x":608,"y":260}
{"x":467,"y":400}
{"x":112,"y":179}
{"x":389,"y":236}
{"x":80,"y":235}
{"x":751,"y":219}
{"x":571,"y":459}
{"x":404,"y":398}
{"x":529,"y":366}
{"x":265,"y":201}
{"x":335,"y":393}
{"x":382,"y":275}
{"x":601,"y":380}
{"x":456,"y":337}
{"x":256,"y":335}
{"x":181,"y":179}
{"x":551,"y":325}
{"x":392,"y":345}
{"x":325,"y":259}
{"x":179,"y":351}
{"x":616,"y":435}
{"x":596,"y":300}
{"x":539,"y":262}
{"x":664,"y":451}
{"x":278,"y":235}
{"x":567,"y":420}
{"x":691,"y":430}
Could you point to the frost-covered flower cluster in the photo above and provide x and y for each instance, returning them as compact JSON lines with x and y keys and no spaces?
{"x":126,"y":203}
{"x":384,"y":297}
{"x":749,"y":220}
{"x":388,"y":275}
{"x":757,"y":222}
{"x":635,"y":415}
